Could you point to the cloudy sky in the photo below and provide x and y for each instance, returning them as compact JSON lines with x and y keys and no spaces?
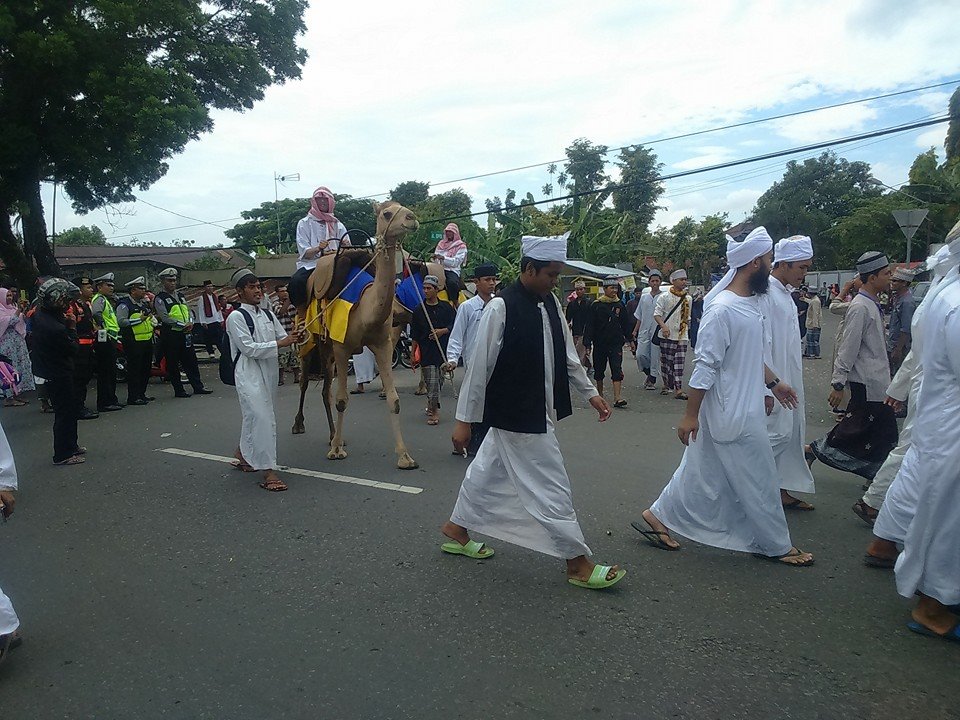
{"x":437,"y":91}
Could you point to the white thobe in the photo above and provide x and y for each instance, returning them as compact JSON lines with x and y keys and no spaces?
{"x":310,"y":233}
{"x":464,"y":334}
{"x":930,"y":562}
{"x":8,"y":481}
{"x":905,"y":386}
{"x":365,"y":366}
{"x":722,"y":493}
{"x":214,"y":317}
{"x":517,"y":489}
{"x":256,"y":377}
{"x":786,"y":428}
{"x":452,"y":261}
{"x":648,"y":354}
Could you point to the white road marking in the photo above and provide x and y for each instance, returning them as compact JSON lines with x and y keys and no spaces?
{"x":308,"y":473}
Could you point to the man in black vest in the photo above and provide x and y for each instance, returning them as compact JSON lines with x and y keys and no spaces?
{"x":517,"y":488}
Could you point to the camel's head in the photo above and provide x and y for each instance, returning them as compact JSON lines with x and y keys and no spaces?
{"x":394,"y":221}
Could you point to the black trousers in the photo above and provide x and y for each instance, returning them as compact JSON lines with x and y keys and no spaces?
{"x":603,"y":354}
{"x":177,"y":353}
{"x":83,"y":366}
{"x":66,"y":408}
{"x":478,"y":431}
{"x":106,"y":365}
{"x":212,"y":334}
{"x":139,"y":362}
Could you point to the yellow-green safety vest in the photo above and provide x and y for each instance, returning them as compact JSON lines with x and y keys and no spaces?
{"x":181,"y":313}
{"x":109,"y":316}
{"x":143,"y":330}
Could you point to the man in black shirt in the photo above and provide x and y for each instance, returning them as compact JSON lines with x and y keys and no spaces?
{"x":607,"y":329}
{"x":432,"y":342}
{"x":576,"y":314}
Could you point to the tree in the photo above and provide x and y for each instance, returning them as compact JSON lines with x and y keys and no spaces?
{"x":584,"y":168}
{"x":81,"y":235}
{"x":812,"y":196}
{"x":99,"y":95}
{"x":697,"y":246}
{"x":411,"y":193}
{"x":640,"y":174}
{"x":952,"y":144}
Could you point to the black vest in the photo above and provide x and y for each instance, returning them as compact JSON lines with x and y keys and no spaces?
{"x":515,"y":398}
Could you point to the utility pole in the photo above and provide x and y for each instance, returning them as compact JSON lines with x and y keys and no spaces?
{"x":276,"y":198}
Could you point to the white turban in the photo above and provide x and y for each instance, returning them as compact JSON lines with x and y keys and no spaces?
{"x":793,"y":249}
{"x":756,"y":244}
{"x":941,"y":264}
{"x":678,"y":275}
{"x":551,"y":249}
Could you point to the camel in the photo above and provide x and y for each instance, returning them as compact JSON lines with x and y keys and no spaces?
{"x":371,"y":324}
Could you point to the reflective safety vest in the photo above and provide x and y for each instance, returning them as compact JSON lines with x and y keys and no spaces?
{"x":109,"y":317}
{"x":141,"y":330}
{"x":178,"y":310}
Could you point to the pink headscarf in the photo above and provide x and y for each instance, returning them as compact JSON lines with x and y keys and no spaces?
{"x":450,"y":247}
{"x":7,"y":313}
{"x":326,"y":217}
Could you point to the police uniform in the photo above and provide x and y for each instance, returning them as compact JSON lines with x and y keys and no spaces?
{"x":136,"y":330}
{"x":106,"y":346}
{"x":176,"y":341}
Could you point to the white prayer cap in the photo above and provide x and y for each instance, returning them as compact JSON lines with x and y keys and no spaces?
{"x":552,"y":248}
{"x":654,"y":273}
{"x":871,"y":262}
{"x":137,"y":281}
{"x":611,"y":282}
{"x":793,"y":249}
{"x":239,"y":277}
{"x":431,"y":280}
{"x":757,"y":244}
{"x":902,"y":273}
{"x":579,"y":284}
{"x":678,"y":275}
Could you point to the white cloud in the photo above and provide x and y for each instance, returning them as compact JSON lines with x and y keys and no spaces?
{"x":440,"y":91}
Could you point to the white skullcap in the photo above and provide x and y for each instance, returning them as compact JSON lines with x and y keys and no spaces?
{"x":550,"y":249}
{"x":871,"y":262}
{"x":431,"y":280}
{"x":678,"y":275}
{"x":757,"y":244}
{"x":611,"y":282}
{"x":793,"y":249}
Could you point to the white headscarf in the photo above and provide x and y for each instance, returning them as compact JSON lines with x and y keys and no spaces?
{"x":793,"y":249}
{"x":756,"y":244}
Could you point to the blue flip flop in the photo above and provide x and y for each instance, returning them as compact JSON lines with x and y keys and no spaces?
{"x":598,"y":578}
{"x":951,"y":636}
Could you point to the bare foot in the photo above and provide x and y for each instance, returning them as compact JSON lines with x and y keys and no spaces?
{"x":934,"y":615}
{"x":797,"y":557}
{"x":883,"y":549}
{"x":650,"y":519}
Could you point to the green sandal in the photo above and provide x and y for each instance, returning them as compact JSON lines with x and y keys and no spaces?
{"x":473,"y":549}
{"x":598,"y":578}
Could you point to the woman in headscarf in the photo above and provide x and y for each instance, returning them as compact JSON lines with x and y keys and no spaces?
{"x":13,"y":345}
{"x":452,"y":253}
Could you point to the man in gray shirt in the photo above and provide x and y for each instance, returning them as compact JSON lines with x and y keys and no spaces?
{"x":898,"y":334}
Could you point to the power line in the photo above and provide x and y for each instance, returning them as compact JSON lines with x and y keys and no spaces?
{"x":697,"y":132}
{"x":185,"y":217}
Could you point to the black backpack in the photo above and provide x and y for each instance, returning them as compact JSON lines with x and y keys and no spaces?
{"x":228,"y":360}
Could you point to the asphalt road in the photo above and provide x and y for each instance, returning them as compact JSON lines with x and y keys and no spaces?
{"x":158,"y":585}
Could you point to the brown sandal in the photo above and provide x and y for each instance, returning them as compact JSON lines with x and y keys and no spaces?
{"x":274,"y":484}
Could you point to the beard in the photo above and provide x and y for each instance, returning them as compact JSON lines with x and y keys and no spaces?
{"x":759,"y":282}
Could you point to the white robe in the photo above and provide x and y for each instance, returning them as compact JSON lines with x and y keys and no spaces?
{"x":648,"y":354}
{"x":256,"y":376}
{"x":8,"y":481}
{"x":787,"y":428}
{"x":463,"y":337}
{"x":725,"y":492}
{"x":517,"y":489}
{"x":365,"y":366}
{"x":930,"y":562}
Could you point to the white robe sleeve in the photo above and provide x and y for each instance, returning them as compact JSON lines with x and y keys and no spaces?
{"x":242,"y":340}
{"x":576,"y":373}
{"x":952,"y":335}
{"x":713,"y":339}
{"x":899,"y":387}
{"x":455,"y":343}
{"x":456,"y":261}
{"x":483,"y":360}
{"x":8,"y":468}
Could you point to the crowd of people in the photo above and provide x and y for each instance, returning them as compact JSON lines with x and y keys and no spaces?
{"x":524,"y":354}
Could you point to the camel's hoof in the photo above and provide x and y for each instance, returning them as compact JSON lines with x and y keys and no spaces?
{"x":297,"y":430}
{"x":407,"y":463}
{"x":336,"y":454}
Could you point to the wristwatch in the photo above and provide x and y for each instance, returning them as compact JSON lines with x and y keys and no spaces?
{"x":837,"y":386}
{"x":773,"y":383}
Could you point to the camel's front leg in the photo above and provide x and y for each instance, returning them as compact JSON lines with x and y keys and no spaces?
{"x":340,"y":356}
{"x":384,"y":353}
{"x":298,"y":428}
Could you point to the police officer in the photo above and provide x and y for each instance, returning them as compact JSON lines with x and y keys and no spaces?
{"x":176,"y":340}
{"x":108,"y":333}
{"x":136,"y":330}
{"x":86,"y":337}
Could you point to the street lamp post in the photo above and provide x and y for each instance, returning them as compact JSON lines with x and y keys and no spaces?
{"x":276,"y":198}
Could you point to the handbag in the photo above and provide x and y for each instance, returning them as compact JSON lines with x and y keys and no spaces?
{"x":656,"y":333}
